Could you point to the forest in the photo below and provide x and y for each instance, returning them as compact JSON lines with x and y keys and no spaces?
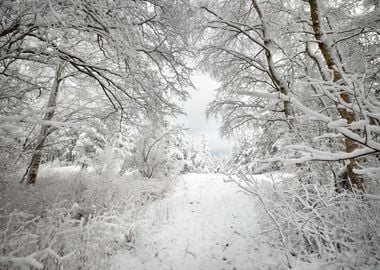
{"x":96,"y":172}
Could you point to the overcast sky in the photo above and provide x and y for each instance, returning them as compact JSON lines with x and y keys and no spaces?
{"x":195,"y":120}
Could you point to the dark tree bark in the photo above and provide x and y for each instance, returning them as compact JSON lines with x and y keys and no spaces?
{"x":356,"y":181}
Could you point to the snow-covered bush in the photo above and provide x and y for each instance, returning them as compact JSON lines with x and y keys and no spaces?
{"x":61,"y":241}
{"x":150,"y":157}
{"x":71,"y":218}
{"x":193,"y":157}
{"x":251,"y":147}
{"x":163,"y":149}
{"x":310,"y":225}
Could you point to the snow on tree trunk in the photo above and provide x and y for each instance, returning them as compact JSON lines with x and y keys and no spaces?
{"x":31,"y":174}
{"x":331,"y":62}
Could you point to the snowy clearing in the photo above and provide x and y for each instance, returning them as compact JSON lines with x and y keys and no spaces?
{"x":204,"y":223}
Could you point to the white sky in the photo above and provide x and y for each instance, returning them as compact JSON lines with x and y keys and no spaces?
{"x":195,"y":120}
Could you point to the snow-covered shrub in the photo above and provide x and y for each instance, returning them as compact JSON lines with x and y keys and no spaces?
{"x":192,"y":157}
{"x":13,"y":153}
{"x":61,"y":241}
{"x":156,"y":153}
{"x":311,"y":224}
{"x":71,"y":218}
{"x":150,"y":156}
{"x":252,"y":146}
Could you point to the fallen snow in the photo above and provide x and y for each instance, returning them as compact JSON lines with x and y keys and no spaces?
{"x":204,"y":223}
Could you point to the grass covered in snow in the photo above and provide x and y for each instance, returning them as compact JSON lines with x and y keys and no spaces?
{"x":71,"y":219}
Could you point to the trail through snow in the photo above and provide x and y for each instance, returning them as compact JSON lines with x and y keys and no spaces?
{"x":204,"y":223}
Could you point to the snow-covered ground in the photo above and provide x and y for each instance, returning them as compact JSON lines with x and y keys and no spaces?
{"x":204,"y":223}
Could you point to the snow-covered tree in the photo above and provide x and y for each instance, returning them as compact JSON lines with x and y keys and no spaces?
{"x":300,"y":92}
{"x":132,"y":52}
{"x":150,"y":156}
{"x":311,"y":78}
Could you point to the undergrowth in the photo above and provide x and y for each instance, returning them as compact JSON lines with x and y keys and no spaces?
{"x":310,"y":226}
{"x":72,"y":219}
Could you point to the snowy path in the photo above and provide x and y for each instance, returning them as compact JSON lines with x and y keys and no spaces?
{"x":205,"y":223}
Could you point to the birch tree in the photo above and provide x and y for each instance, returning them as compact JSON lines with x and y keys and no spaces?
{"x":32,"y":171}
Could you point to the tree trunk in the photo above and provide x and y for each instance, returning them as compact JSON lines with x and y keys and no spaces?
{"x":31,"y":173}
{"x":356,"y":181}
